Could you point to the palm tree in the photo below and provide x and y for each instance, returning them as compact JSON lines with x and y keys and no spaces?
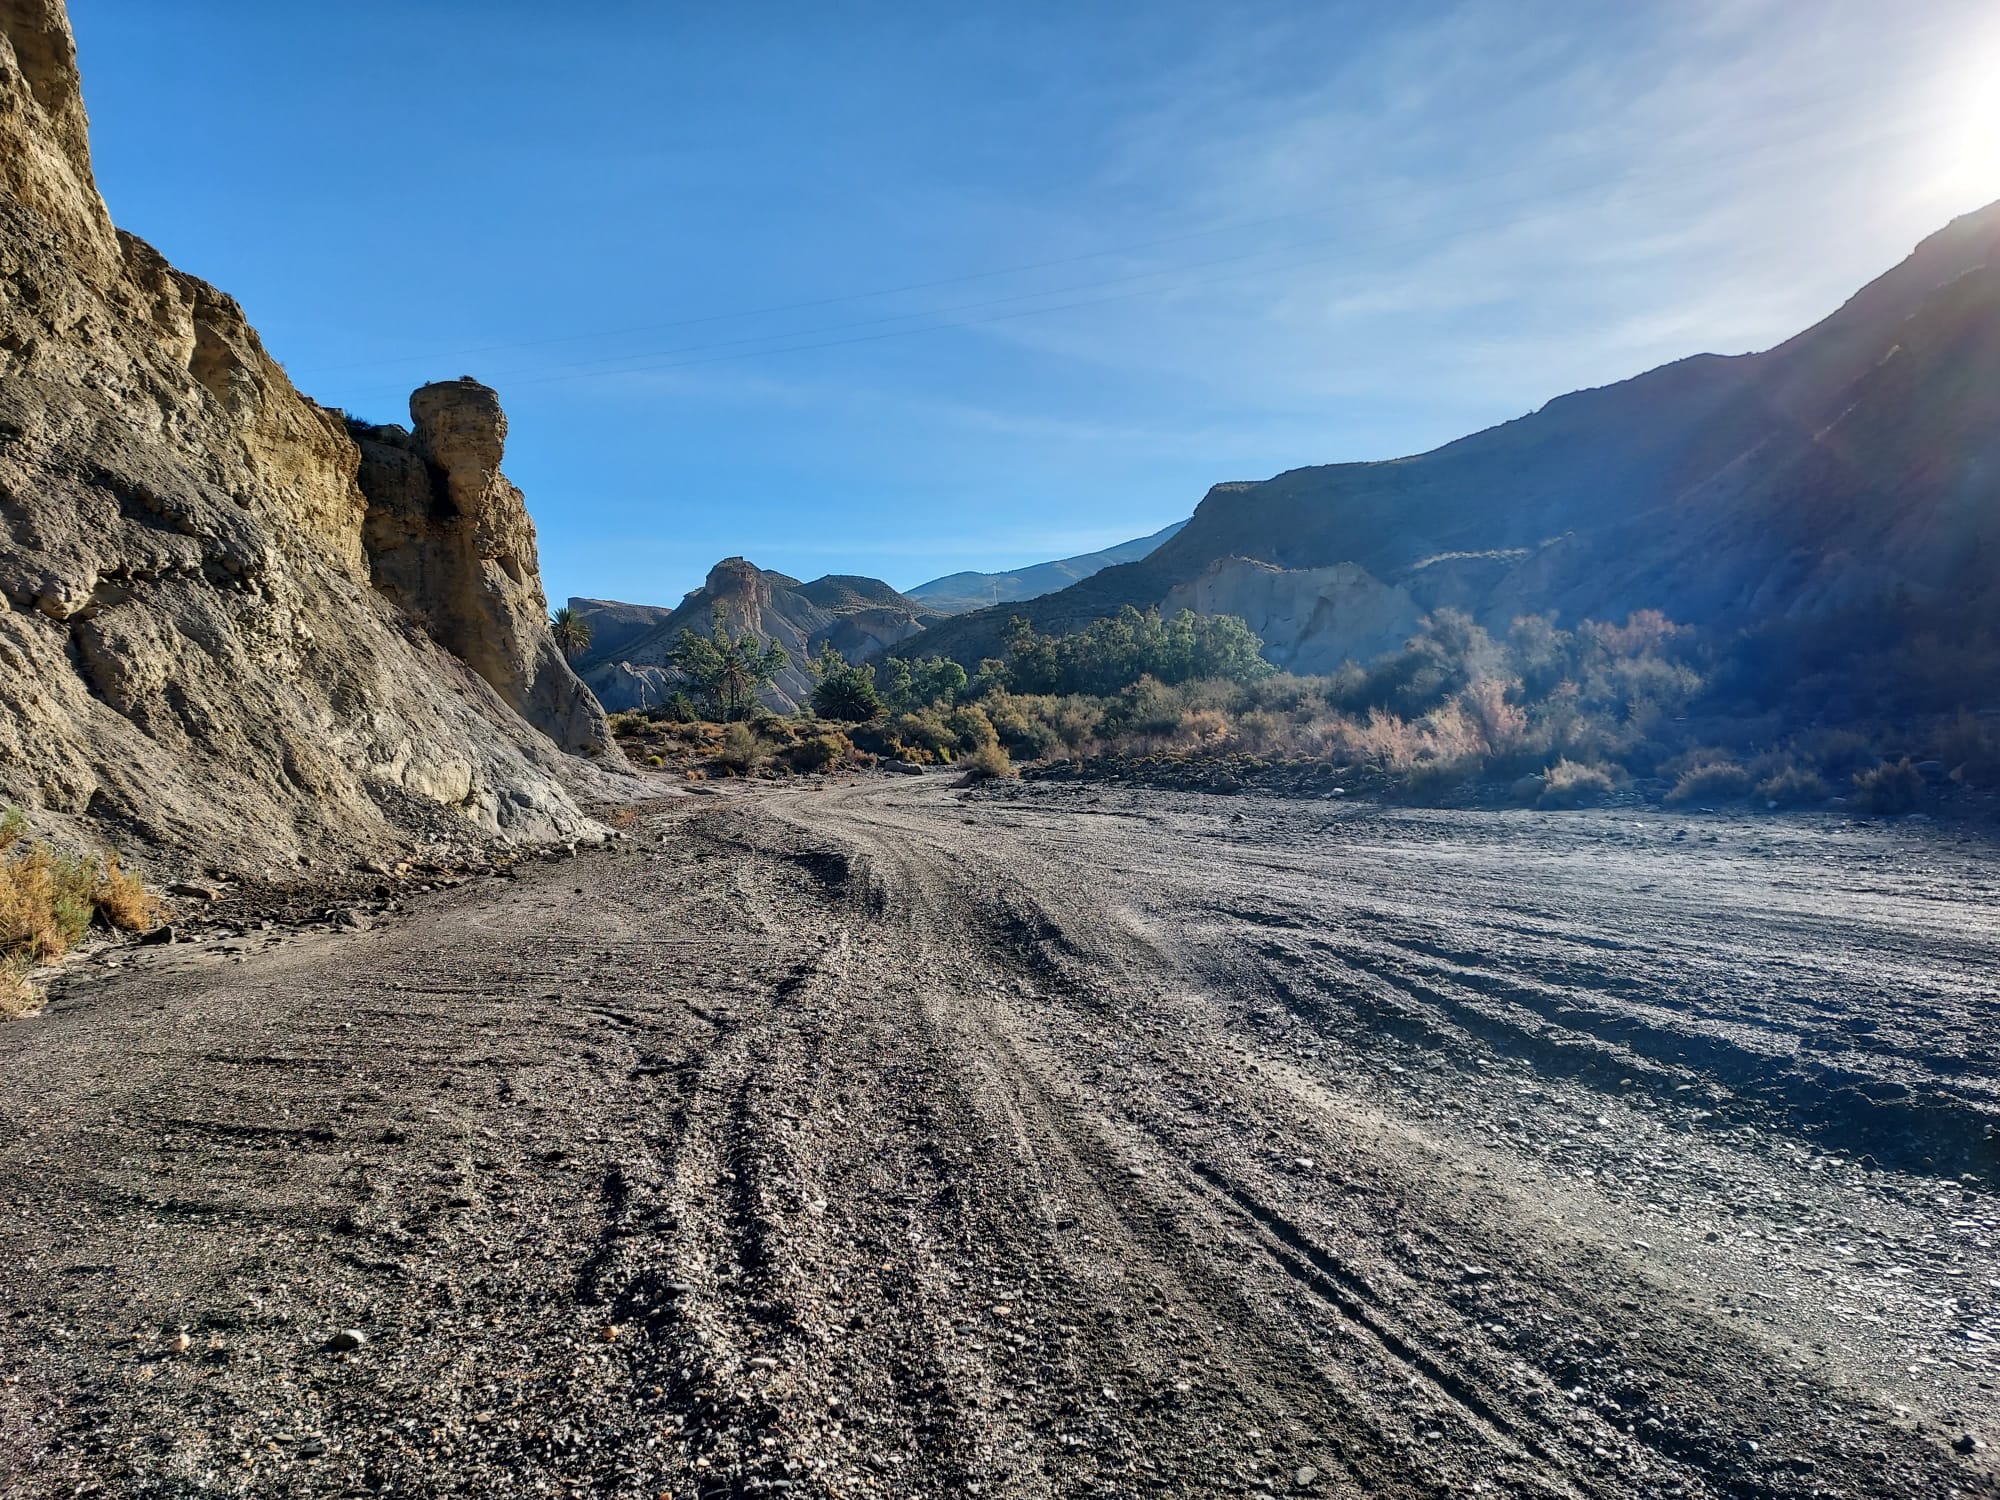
{"x":572,"y":632}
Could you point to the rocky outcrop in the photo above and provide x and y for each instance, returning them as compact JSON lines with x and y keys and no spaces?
{"x":192,"y":649}
{"x":449,"y":539}
{"x":858,"y":617}
{"x":1311,"y":619}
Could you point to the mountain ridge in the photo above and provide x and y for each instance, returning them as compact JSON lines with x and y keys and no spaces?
{"x":957,"y":593}
{"x":1673,"y":489}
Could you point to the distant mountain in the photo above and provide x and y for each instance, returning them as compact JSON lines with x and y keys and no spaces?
{"x":1854,"y":465}
{"x":957,"y":593}
{"x":860,"y":617}
{"x":614,"y":626}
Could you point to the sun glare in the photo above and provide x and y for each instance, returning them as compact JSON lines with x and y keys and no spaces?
{"x":1972,"y":143}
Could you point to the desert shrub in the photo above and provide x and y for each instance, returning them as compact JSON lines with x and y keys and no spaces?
{"x":1022,"y":731}
{"x":1676,"y":766}
{"x":820,"y":752}
{"x":987,"y":763}
{"x":679,"y":709}
{"x":122,"y":899}
{"x":1435,"y":775}
{"x":1149,"y":707}
{"x":1570,"y":783}
{"x":1076,"y":722}
{"x":926,"y":732}
{"x":1202,"y":728}
{"x":1283,"y":692}
{"x":741,"y":752}
{"x":656,"y":761}
{"x":1792,"y":786}
{"x":974,"y":730}
{"x":1889,"y":789}
{"x":1970,"y":746}
{"x":626,"y":722}
{"x":1711,"y":781}
{"x":49,"y":898}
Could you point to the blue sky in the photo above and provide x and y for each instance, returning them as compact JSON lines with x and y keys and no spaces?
{"x":899,"y":289}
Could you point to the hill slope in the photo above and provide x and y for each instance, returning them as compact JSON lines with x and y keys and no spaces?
{"x":216,"y":641}
{"x":958,"y":593}
{"x":1854,"y":462}
{"x":858,"y":616}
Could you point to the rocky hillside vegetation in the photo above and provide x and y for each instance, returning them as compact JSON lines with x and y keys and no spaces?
{"x":231,"y":630}
{"x":628,"y":663}
{"x":1833,"y":485}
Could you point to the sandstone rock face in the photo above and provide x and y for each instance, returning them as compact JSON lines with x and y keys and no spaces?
{"x":449,"y":539}
{"x":1311,"y":619}
{"x":192,"y":654}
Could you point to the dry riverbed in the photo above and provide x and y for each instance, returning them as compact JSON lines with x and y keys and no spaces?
{"x":881,"y":1138}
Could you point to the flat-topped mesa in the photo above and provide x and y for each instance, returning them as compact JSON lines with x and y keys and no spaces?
{"x":448,"y":538}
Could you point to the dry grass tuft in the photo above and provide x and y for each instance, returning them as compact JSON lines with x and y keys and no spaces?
{"x":17,"y":996}
{"x":123,"y":900}
{"x":48,"y":899}
{"x":1569,"y":783}
{"x":988,"y":763}
{"x":1711,"y":781}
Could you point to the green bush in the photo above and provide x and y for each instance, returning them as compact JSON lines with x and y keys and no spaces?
{"x":819,"y":752}
{"x":925,"y":731}
{"x":1110,"y":655}
{"x":1023,"y":731}
{"x":974,"y":730}
{"x":1889,"y":790}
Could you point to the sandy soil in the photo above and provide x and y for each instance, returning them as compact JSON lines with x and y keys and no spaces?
{"x":889,"y":1139}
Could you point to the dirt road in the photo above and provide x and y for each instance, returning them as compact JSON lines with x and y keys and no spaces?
{"x":886,"y":1139}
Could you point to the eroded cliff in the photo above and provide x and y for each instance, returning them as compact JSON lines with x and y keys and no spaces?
{"x":192,"y":649}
